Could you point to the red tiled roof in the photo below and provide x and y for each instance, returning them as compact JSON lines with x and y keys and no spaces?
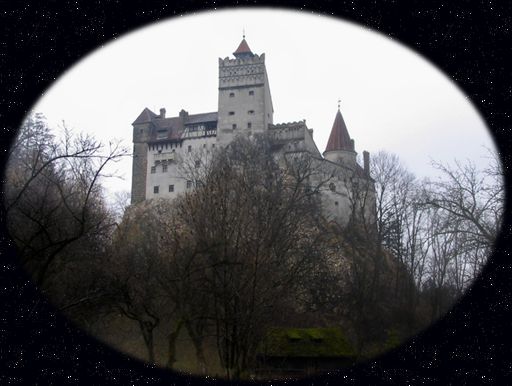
{"x":339,"y":138}
{"x":243,"y":48}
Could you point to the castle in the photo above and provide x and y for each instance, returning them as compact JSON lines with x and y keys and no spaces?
{"x":163,"y":145}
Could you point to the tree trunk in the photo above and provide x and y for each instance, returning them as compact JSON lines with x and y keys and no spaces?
{"x":171,"y":348}
{"x":147,"y":333}
{"x":197,"y":341}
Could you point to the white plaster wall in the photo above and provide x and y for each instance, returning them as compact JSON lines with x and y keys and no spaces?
{"x":240,"y":77}
{"x":176,"y":173}
{"x":342,"y":157}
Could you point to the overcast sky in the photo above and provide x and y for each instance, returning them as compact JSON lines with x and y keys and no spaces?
{"x":391,"y":97}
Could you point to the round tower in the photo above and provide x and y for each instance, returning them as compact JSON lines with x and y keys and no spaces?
{"x":340,"y":147}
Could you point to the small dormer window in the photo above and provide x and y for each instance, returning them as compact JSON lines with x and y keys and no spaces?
{"x":231,"y":113}
{"x":231,"y":94}
{"x":332,"y":187}
{"x":251,"y":92}
{"x":161,"y":134}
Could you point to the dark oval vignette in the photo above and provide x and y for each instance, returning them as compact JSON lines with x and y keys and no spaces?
{"x":313,"y":278}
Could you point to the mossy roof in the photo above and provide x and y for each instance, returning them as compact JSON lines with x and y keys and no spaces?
{"x":306,"y":342}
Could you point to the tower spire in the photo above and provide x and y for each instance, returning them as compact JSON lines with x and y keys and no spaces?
{"x":243,"y":50}
{"x":339,"y":138}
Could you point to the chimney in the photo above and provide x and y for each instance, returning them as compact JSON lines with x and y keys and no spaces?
{"x":162,"y":112}
{"x":183,"y":117}
{"x":366,"y":162}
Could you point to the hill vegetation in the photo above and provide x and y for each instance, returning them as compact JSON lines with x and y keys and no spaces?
{"x":198,"y":283}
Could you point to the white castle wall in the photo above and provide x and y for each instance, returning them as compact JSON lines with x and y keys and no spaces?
{"x":180,"y":165}
{"x":244,"y":98}
{"x":245,"y":101}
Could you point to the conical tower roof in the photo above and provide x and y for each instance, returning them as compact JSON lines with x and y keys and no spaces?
{"x":243,"y":50}
{"x":339,"y":138}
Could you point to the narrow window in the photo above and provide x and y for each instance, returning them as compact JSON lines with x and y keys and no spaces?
{"x":189,"y":184}
{"x":198,"y":163}
{"x":250,"y":112}
{"x":171,"y":188}
{"x":231,"y":113}
{"x":336,"y":203}
{"x":153,"y":169}
{"x":251,"y":92}
{"x":189,"y":148}
{"x":156,"y":189}
{"x":164,"y":168}
{"x":234,"y":126}
{"x":231,"y":94}
{"x":213,"y":145}
{"x":332,"y":187}
{"x":249,"y":125}
{"x":204,"y":145}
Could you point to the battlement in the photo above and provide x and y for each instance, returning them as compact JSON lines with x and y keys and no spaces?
{"x":228,"y":62}
{"x":287,"y":131}
{"x":289,"y":125}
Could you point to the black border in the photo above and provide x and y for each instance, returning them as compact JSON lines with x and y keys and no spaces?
{"x":468,"y":41}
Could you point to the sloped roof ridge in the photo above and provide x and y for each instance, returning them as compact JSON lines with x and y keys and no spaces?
{"x":145,"y":116}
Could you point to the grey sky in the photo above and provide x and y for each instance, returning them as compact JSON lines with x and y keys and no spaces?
{"x":391,"y":98}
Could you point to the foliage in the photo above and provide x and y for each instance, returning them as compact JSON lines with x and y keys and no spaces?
{"x":249,"y":248}
{"x":306,"y":342}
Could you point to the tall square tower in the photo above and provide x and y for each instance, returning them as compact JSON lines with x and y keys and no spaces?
{"x":245,"y":103}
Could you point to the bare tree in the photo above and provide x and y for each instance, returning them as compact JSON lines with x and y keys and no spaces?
{"x":53,"y":197}
{"x":474,"y":197}
{"x":131,"y":272}
{"x":253,"y":223}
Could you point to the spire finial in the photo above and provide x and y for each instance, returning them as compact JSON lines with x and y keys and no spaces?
{"x":339,"y":101}
{"x":243,"y":33}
